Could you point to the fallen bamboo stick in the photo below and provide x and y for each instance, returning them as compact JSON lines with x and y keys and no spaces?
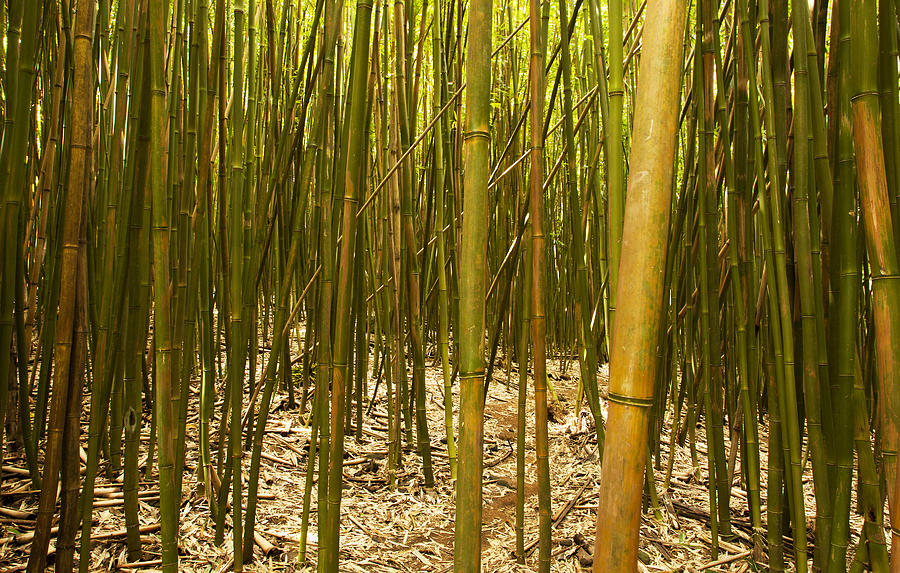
{"x":727,"y":559}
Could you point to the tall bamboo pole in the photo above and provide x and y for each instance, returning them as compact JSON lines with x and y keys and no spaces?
{"x":440,"y":190}
{"x":879,"y":227}
{"x":472,"y":287}
{"x":615,"y":152}
{"x":538,"y":282}
{"x":844,"y":233}
{"x":803,"y":202}
{"x":633,"y":364}
{"x":352,"y":184}
{"x":68,"y":352}
{"x":23,"y":41}
{"x":162,"y":294}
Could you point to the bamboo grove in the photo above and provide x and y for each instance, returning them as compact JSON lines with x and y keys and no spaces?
{"x":209,"y":202}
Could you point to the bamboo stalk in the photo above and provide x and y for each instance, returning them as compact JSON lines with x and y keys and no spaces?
{"x":632,"y":372}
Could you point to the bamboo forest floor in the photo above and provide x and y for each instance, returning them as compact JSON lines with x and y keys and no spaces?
{"x":411,"y":528}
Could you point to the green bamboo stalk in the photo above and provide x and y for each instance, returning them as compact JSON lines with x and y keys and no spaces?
{"x":705,"y":174}
{"x":352,"y":184}
{"x":751,"y":438}
{"x":804,"y":186}
{"x":522,"y":354}
{"x":324,"y":178}
{"x":774,"y":233}
{"x":846,"y":281}
{"x":615,"y":153}
{"x":472,"y":286}
{"x":584,"y":332}
{"x":538,"y":289}
{"x":708,"y":190}
{"x":888,"y":96}
{"x":21,"y":61}
{"x":162,"y":326}
{"x":440,"y":191}
{"x":870,"y":499}
{"x":107,"y":366}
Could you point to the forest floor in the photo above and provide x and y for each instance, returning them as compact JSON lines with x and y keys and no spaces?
{"x":410,"y":528}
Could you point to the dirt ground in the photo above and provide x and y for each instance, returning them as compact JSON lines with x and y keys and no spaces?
{"x":411,"y":528}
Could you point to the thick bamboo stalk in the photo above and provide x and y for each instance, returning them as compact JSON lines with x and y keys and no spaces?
{"x":633,"y":366}
{"x":879,"y":227}
{"x":68,"y":370}
{"x":162,"y":295}
{"x":472,"y":286}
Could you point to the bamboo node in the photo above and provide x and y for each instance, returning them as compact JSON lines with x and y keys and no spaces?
{"x":630,"y":400}
{"x":473,"y":133}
